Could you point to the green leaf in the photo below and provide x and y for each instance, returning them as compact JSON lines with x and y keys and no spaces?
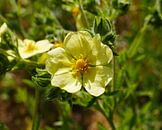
{"x":132,"y":87}
{"x":28,"y":82}
{"x":137,"y":41}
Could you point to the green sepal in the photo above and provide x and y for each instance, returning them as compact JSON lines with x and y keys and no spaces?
{"x":41,"y":78}
{"x":55,"y":93}
{"x":104,"y":27}
{"x":83,"y":99}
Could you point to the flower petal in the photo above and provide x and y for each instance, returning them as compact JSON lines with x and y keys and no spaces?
{"x":22,"y":48}
{"x":58,"y":61}
{"x":94,"y":89}
{"x":96,"y":79}
{"x":3,"y":28}
{"x":78,"y":44}
{"x":102,"y":52}
{"x":66,"y":81}
{"x":43,"y":46}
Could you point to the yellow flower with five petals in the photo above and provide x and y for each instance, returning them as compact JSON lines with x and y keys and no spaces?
{"x":28,"y":48}
{"x":83,"y":62}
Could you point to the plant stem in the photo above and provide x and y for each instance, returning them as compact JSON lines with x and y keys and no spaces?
{"x":113,"y":89}
{"x":109,"y":118}
{"x":111,"y":123}
{"x":114,"y":78}
{"x":113,"y":71}
{"x":36,"y":116}
{"x":84,"y":16}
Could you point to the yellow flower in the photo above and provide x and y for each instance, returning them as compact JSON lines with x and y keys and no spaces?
{"x":83,"y":62}
{"x":28,"y":48}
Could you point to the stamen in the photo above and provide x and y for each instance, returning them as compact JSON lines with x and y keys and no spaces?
{"x":81,"y":65}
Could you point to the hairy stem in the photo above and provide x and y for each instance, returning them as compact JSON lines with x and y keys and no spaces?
{"x":36,"y":116}
{"x":113,"y":71}
{"x":109,"y":118}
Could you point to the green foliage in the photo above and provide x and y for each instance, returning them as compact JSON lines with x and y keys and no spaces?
{"x":131,"y":28}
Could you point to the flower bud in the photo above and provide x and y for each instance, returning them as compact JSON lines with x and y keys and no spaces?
{"x":104,"y":27}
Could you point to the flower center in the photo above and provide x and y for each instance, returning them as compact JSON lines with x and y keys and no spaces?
{"x":81,"y":65}
{"x":30,"y":47}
